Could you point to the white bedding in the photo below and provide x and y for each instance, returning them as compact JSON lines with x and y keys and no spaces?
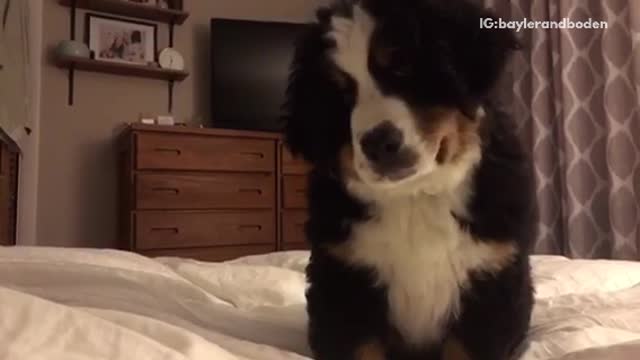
{"x":103,"y":304}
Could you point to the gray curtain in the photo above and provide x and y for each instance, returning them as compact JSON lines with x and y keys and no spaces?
{"x":576,"y":94}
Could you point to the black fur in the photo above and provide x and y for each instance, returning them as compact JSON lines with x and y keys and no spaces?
{"x":446,"y":60}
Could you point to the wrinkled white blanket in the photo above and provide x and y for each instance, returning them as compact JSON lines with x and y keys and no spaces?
{"x":77,"y":304}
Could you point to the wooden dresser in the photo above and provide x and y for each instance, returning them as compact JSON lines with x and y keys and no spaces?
{"x":209,"y":194}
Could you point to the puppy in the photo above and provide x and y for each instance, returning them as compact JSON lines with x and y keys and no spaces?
{"x":421,"y":196}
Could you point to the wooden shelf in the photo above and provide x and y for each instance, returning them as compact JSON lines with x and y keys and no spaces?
{"x":130,"y":9}
{"x":79,"y":63}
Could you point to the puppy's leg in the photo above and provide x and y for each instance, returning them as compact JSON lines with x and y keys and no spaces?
{"x":453,"y":349}
{"x":337,"y":342}
{"x":347,"y":313}
{"x":496,"y":314}
{"x":370,"y":351}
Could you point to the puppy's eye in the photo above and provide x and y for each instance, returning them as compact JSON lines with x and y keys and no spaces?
{"x":383,"y":56}
{"x":345,"y":84}
{"x":392,"y":60}
{"x":342,"y":80}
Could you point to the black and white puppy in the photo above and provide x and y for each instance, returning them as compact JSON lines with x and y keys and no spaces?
{"x":421,"y":199}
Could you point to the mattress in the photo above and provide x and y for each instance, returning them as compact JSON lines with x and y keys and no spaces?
{"x":105,"y":304}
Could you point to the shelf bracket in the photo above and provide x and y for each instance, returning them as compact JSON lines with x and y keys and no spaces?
{"x":171,"y":83}
{"x":172,"y":24}
{"x":72,"y":27}
{"x":72,"y":36}
{"x":71,"y":83}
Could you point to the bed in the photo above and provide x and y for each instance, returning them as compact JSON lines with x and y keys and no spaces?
{"x":106,"y":304}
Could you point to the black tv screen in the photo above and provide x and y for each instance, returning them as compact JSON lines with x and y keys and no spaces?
{"x":250,"y":62}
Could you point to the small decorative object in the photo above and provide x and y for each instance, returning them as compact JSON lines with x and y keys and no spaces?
{"x":166,"y":120}
{"x":121,"y":40}
{"x":171,"y":59}
{"x":143,"y":2}
{"x":163,"y":4}
{"x":73,"y":48}
{"x":147,"y":120}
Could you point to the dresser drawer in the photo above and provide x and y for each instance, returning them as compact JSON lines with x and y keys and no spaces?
{"x":293,"y":223}
{"x":167,"y":230}
{"x":211,"y":191}
{"x":214,"y":254}
{"x":294,"y":192}
{"x":187,"y":152}
{"x":293,"y":165}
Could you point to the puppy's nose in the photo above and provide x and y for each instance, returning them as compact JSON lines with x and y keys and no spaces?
{"x":382,"y":144}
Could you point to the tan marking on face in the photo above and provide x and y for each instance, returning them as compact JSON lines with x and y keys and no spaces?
{"x":339,"y":78}
{"x":454,"y":350}
{"x":449,"y":130}
{"x":341,"y":252}
{"x":382,"y":55}
{"x":370,"y":351}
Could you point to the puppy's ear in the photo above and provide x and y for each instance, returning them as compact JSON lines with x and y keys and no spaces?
{"x":468,"y":35}
{"x":456,"y":51}
{"x":484,"y":53}
{"x":316,"y":113}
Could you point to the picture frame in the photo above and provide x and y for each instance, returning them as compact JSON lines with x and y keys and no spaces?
{"x":173,"y":4}
{"x":121,"y":40}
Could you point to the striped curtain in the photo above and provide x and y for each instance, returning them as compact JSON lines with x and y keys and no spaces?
{"x":576,"y":94}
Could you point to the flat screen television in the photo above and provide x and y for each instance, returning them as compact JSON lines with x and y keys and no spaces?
{"x":250,"y":64}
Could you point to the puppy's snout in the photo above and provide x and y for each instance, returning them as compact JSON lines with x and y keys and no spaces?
{"x":382,"y":143}
{"x":387,"y":153}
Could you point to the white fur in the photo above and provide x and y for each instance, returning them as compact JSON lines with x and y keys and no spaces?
{"x":417,"y":248}
{"x":353,"y":37}
{"x":423,"y":258}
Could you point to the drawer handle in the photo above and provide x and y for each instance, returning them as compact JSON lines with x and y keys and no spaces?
{"x":177,"y":152}
{"x":173,"y":191}
{"x":173,"y":230}
{"x":255,"y":191}
{"x":250,"y":227}
{"x":253,"y":154}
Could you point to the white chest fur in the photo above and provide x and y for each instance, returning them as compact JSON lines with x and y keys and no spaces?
{"x":423,"y":258}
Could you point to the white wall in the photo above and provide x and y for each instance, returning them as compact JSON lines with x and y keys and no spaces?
{"x":77,"y":192}
{"x":29,"y":144}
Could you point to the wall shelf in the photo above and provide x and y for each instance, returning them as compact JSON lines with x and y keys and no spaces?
{"x":169,"y":16}
{"x":84,"y":64}
{"x":174,"y":16}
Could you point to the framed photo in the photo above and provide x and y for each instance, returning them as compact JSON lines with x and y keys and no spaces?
{"x":121,"y":40}
{"x":170,"y":4}
{"x":143,"y":2}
